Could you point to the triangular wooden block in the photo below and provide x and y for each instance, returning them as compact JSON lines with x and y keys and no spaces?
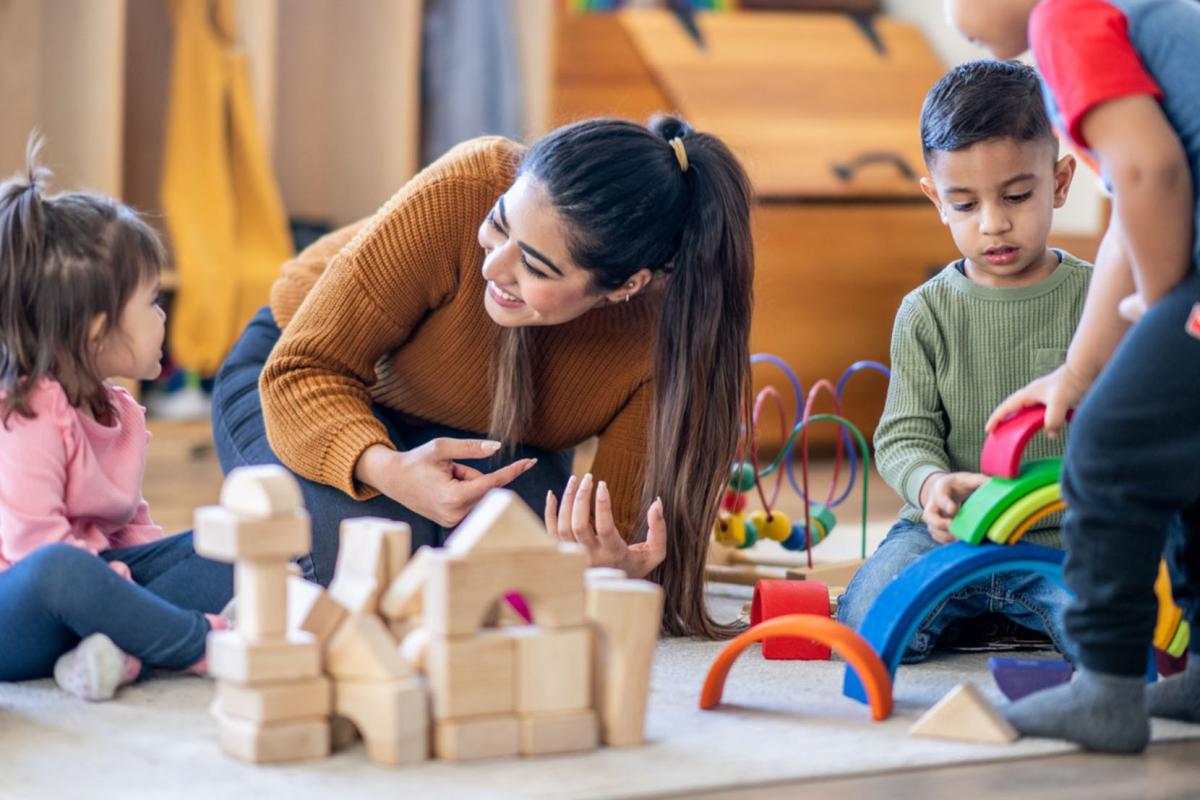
{"x":262,"y":491}
{"x":312,"y":609}
{"x":500,"y":523}
{"x":403,"y":597}
{"x":363,"y":649}
{"x":965,"y":715}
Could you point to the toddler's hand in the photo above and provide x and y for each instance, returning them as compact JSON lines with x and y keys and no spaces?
{"x":121,"y":568}
{"x":1132,"y":307}
{"x":1060,"y":391}
{"x":941,"y":497}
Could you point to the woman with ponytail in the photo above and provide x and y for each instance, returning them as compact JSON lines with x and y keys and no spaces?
{"x":597,"y":283}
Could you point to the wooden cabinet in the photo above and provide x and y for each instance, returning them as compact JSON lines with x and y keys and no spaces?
{"x":826,"y":124}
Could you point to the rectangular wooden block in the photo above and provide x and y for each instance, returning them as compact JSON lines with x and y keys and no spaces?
{"x":232,"y":658}
{"x":475,"y":738}
{"x":261,"y":591}
{"x":553,"y":669}
{"x":561,"y":732}
{"x":834,"y":573}
{"x":276,"y":702}
{"x":460,"y":591}
{"x":362,"y":648}
{"x":391,"y":716}
{"x":270,"y":742}
{"x":471,"y":676}
{"x":312,"y":609}
{"x":627,"y":616}
{"x":223,"y":536}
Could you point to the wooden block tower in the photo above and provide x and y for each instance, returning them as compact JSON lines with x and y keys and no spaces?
{"x":272,"y":703}
{"x":422,"y":653}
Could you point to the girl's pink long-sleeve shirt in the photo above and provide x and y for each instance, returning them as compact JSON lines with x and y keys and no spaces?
{"x":64,"y":477}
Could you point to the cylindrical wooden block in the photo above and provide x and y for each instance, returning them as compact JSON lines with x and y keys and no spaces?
{"x":261,"y":591}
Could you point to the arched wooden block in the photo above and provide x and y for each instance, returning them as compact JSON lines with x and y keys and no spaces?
{"x":257,"y":492}
{"x":1039,"y":515}
{"x":989,"y":501}
{"x":914,"y":593}
{"x":1030,"y":505}
{"x":1004,"y":446}
{"x":846,"y":643}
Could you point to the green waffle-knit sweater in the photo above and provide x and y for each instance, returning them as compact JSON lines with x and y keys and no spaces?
{"x":959,"y":349}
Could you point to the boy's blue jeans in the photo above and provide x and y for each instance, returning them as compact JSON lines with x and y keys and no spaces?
{"x":59,"y":594}
{"x":1025,"y":598}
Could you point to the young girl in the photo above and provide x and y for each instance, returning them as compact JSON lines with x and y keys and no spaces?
{"x":89,"y":589}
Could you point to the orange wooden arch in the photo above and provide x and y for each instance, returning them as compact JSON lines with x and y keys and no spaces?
{"x":1034,"y":519}
{"x":840,"y":638}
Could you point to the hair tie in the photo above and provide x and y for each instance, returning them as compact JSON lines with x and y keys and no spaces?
{"x":680,"y":153}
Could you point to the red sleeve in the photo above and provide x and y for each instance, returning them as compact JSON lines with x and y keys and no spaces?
{"x":1083,"y":50}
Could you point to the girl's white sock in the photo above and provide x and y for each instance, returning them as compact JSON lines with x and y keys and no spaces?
{"x":95,"y":669}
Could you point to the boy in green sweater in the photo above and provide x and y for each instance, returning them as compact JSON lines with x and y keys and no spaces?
{"x":984,"y":326}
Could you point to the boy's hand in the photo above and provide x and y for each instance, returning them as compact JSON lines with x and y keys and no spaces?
{"x":1060,"y":391}
{"x":941,"y":497}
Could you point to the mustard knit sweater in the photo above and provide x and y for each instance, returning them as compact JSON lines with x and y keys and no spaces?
{"x":390,"y":311}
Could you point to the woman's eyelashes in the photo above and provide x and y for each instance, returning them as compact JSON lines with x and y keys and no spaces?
{"x":530,"y":268}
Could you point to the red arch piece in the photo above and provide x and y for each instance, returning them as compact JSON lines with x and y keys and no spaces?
{"x":779,"y":598}
{"x":844,"y":641}
{"x":1003,"y":447}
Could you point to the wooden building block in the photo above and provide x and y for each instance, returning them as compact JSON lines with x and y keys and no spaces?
{"x":259,"y":492}
{"x":356,"y":594}
{"x":264,"y":743}
{"x":560,"y":732}
{"x":460,"y":591}
{"x":276,"y":702}
{"x":223,"y":536}
{"x":965,"y":715}
{"x":391,"y":716}
{"x":232,"y":658}
{"x":362,"y":648}
{"x":593,"y":574}
{"x":834,"y":573}
{"x":398,"y":548}
{"x":471,"y":676}
{"x":406,"y":591}
{"x":500,"y":523}
{"x":311,"y":609}
{"x":261,"y":591}
{"x":553,"y":669}
{"x":627,"y":616}
{"x":476,"y":737}
{"x":415,"y":646}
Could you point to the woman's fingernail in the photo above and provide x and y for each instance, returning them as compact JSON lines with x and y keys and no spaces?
{"x":530,"y":463}
{"x":491,"y":447}
{"x":602,"y":486}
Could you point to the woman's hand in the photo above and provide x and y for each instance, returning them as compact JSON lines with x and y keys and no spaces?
{"x":429,"y":481}
{"x":942,"y":496}
{"x":1060,"y":391}
{"x":572,"y":522}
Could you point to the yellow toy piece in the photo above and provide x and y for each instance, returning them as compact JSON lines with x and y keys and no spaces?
{"x":730,"y":529}
{"x":1170,"y":617}
{"x":775,"y":525}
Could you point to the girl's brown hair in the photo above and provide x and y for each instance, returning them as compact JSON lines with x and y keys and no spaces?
{"x":65,"y":259}
{"x":630,"y":204}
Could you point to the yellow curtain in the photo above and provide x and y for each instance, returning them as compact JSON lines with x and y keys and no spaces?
{"x":225,"y":218}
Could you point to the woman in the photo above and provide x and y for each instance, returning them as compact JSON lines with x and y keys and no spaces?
{"x":598,"y":283}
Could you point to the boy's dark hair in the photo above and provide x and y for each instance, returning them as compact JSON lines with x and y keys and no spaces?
{"x":983,"y":100}
{"x":64,"y":260}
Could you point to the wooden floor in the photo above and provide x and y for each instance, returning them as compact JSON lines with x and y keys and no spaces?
{"x":182,"y":473}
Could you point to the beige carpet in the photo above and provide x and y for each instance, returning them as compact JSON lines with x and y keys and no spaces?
{"x":781,"y":720}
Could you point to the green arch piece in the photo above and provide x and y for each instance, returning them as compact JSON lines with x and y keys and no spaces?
{"x":1023,"y":509}
{"x":991,"y":500}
